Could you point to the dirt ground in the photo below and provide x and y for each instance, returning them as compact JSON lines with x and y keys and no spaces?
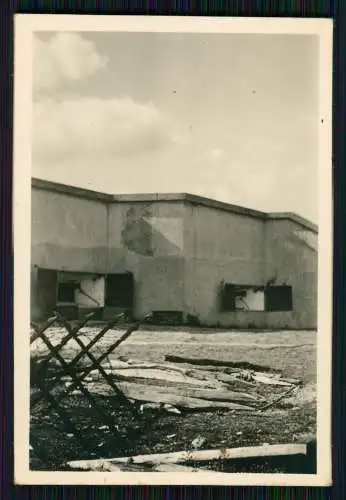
{"x":294,"y":420}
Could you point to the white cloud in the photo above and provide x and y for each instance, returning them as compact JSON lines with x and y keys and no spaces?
{"x":66,"y":57}
{"x":216,"y":155}
{"x":70,"y":129}
{"x":81,"y":129}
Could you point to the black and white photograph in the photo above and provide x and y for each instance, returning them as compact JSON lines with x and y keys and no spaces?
{"x":172,"y":208}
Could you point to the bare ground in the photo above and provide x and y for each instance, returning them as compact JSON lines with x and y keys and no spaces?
{"x":294,"y":353}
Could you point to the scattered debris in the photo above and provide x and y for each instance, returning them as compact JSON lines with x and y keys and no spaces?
{"x":161,"y":386}
{"x":229,"y":379}
{"x":164,"y":386}
{"x":198,"y":442}
{"x":159,"y":406}
{"x":246,"y":375}
{"x":175,"y":386}
{"x":150,"y":406}
{"x":171,"y":409}
{"x":276,"y":400}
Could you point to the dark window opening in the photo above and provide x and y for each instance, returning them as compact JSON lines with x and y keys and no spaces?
{"x":47,"y":284}
{"x":255,"y":298}
{"x":278,"y":298}
{"x":66,"y":292}
{"x":228,"y":298}
{"x":120,"y":290}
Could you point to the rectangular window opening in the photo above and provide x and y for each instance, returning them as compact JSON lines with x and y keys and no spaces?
{"x":66,"y":292}
{"x":242,"y":298}
{"x":120,"y":290}
{"x":256,"y":298}
{"x":278,"y":298}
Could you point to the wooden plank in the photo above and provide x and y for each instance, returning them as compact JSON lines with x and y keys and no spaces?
{"x":263,"y":379}
{"x":138,"y":363}
{"x":255,"y":377}
{"x":165,"y":375}
{"x":224,"y":377}
{"x":206,"y":372}
{"x":164,"y":395}
{"x":276,"y":450}
{"x":146,"y":393}
{"x":183,"y":468}
{"x":103,"y":466}
{"x":241,"y":365}
{"x":293,"y":381}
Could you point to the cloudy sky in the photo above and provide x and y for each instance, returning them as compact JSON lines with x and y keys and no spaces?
{"x":232,"y":117}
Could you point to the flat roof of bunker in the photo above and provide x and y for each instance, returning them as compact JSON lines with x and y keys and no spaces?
{"x":169,"y":197}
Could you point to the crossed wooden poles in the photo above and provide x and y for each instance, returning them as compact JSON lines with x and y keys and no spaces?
{"x":69,"y":368}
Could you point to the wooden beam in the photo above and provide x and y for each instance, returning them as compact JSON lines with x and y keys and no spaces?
{"x":103,"y":466}
{"x":166,"y":376}
{"x":151,"y":393}
{"x":242,"y":365}
{"x":276,"y":450}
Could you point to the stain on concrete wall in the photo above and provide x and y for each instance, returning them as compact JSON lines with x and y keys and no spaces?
{"x":149,"y":230}
{"x":147,"y":240}
{"x":137,"y":233}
